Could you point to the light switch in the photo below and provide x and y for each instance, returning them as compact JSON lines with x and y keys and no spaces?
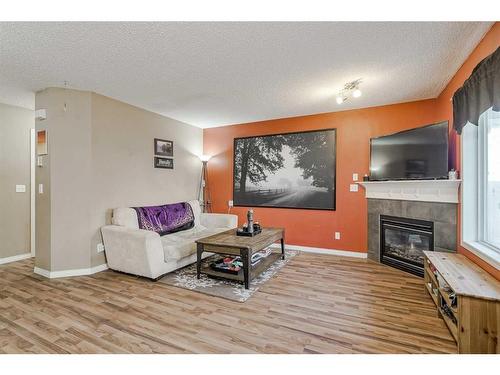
{"x":40,"y":188}
{"x":353,"y":187}
{"x":355,"y":177}
{"x":20,"y":188}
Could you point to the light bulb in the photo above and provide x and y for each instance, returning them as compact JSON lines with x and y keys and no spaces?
{"x":205,"y":157}
{"x":356,"y":93}
{"x":340,"y":100}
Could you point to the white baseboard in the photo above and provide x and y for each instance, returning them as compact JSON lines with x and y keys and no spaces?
{"x":42,"y":272}
{"x":319,"y":250}
{"x":70,"y":273}
{"x":15,"y":258}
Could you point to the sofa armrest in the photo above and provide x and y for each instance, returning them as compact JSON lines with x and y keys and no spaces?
{"x":135,"y":251}
{"x":219,"y":220}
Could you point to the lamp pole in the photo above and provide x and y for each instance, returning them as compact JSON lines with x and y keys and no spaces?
{"x":204,"y":191}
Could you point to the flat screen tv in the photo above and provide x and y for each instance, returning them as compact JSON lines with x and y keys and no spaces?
{"x":416,"y":154}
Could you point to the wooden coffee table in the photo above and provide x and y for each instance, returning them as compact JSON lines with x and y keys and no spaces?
{"x":228,"y":243}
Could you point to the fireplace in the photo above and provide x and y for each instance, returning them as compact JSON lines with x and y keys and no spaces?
{"x":402,"y":242}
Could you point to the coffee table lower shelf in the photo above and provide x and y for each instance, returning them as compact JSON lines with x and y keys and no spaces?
{"x":254,"y":270}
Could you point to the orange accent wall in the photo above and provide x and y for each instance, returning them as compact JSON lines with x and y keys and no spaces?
{"x":444,"y":110}
{"x":354,"y":130}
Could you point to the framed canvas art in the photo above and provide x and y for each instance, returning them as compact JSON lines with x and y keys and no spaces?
{"x":163,"y":147}
{"x":166,"y":163}
{"x":291,"y":170}
{"x":42,"y":143}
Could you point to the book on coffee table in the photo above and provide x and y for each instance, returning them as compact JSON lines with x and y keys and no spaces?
{"x":230,"y":265}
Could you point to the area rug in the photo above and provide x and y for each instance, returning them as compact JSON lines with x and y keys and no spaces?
{"x":232,"y":290}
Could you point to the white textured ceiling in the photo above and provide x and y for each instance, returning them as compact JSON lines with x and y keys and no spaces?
{"x":212,"y":74}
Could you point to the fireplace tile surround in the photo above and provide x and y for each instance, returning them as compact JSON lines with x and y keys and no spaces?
{"x":444,"y":216}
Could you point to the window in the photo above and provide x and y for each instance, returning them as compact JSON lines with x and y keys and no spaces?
{"x":481,"y":187}
{"x":492,"y":204}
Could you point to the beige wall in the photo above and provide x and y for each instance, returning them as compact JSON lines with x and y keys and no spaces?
{"x":122,"y":161}
{"x":42,"y":201}
{"x":101,"y":157}
{"x":63,"y":209}
{"x":15,"y":126}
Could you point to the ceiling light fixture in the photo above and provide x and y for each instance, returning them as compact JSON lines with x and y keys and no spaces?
{"x":356,"y":93}
{"x":350,"y":89}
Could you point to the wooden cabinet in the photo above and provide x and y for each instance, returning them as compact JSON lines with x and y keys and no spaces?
{"x":467,"y":298}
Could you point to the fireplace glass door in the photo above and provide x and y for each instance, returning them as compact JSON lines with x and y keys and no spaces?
{"x":403,"y":242}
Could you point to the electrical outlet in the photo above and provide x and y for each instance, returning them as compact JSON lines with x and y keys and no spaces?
{"x":353,"y":187}
{"x":100,"y":247}
{"x":230,"y":203}
{"x":355,"y":177}
{"x":337,"y":235}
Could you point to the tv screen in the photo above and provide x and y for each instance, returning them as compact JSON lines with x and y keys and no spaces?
{"x":420,"y":153}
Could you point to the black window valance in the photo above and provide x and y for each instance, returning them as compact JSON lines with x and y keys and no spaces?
{"x":478,"y":93}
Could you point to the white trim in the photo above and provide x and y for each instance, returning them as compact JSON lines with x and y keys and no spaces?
{"x":413,"y":190}
{"x":42,"y":272}
{"x":469,"y":169}
{"x":474,"y":218}
{"x":15,"y":258}
{"x":70,"y":273}
{"x":99,"y":268}
{"x":32,"y":190}
{"x":319,"y":250}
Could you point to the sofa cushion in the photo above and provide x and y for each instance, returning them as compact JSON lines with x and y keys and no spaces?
{"x":182,"y":244}
{"x":125,"y":217}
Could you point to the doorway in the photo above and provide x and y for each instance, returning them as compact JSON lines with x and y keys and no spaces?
{"x":17,"y":183}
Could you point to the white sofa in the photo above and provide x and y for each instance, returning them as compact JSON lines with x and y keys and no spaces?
{"x":146,"y":253}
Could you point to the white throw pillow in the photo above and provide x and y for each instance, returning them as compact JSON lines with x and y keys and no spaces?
{"x":125,"y":217}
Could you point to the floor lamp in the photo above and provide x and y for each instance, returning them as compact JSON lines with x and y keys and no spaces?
{"x":204,"y":192}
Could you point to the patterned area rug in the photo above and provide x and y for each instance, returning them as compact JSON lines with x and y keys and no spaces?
{"x":234,"y":291}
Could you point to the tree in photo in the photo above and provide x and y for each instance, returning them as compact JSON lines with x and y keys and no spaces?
{"x":313,"y":154}
{"x":256,"y":158}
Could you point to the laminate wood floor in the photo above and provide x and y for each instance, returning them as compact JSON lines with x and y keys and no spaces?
{"x":316,"y":304}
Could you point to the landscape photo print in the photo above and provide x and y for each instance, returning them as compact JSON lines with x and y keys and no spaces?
{"x":292,"y":170}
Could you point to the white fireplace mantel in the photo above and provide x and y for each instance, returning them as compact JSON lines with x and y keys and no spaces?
{"x":445,"y":191}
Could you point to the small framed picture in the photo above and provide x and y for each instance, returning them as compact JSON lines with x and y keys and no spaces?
{"x":166,"y":163}
{"x":163,"y":147}
{"x":41,"y":143}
